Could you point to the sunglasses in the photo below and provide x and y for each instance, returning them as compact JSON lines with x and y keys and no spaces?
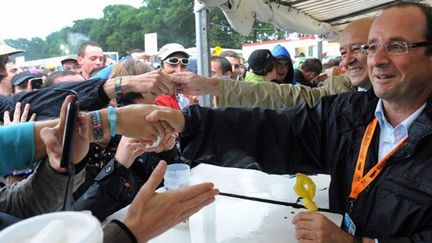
{"x":176,"y":61}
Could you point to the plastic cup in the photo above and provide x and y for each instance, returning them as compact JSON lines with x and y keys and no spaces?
{"x":177,"y":176}
{"x":58,"y":227}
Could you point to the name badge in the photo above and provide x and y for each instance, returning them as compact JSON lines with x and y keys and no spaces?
{"x":348,"y":225}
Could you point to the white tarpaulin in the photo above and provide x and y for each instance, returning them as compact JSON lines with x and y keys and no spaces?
{"x":323,"y":17}
{"x":241,"y":14}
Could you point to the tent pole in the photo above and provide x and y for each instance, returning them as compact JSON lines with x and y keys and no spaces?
{"x":203,"y":50}
{"x":320,"y":48}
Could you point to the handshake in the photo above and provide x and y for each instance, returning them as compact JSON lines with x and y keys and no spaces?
{"x":148,"y":123}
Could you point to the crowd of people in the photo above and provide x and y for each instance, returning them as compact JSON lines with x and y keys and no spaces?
{"x":368,"y":127}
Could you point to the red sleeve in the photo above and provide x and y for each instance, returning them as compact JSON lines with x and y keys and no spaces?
{"x":167,"y":100}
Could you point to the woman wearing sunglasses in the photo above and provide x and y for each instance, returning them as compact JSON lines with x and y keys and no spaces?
{"x":174,"y":59}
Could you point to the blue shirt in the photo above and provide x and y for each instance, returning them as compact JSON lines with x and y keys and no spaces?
{"x":17,"y":146}
{"x":390,"y":136}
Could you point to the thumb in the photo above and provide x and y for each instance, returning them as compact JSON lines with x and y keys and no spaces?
{"x":83,"y":126}
{"x":52,"y":145}
{"x":154,"y":181}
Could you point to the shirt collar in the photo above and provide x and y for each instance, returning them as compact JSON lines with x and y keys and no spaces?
{"x":361,"y":89}
{"x":382,"y":120}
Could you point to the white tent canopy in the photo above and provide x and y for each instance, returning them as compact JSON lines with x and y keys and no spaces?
{"x":323,"y":17}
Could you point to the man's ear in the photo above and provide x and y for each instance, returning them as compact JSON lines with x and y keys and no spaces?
{"x":79,"y":60}
{"x":228,"y":74}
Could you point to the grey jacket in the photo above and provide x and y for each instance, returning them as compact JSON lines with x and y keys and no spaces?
{"x":41,"y":192}
{"x":277,"y":96}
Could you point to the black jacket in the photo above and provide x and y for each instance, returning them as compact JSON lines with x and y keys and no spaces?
{"x":326,"y":139}
{"x":46,"y":102}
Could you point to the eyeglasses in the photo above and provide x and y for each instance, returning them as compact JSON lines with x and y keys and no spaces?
{"x":176,"y":61}
{"x":354,"y":49}
{"x":393,"y":48}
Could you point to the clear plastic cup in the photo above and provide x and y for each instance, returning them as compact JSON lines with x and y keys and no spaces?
{"x":177,"y":176}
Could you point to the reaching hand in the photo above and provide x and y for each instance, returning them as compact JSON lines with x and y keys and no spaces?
{"x":53,"y":137}
{"x":17,"y":116}
{"x":154,"y":82}
{"x":128,"y":150}
{"x":192,"y":84}
{"x":133,"y":122}
{"x":315,"y":227}
{"x":152,"y":213}
{"x":173,"y":118}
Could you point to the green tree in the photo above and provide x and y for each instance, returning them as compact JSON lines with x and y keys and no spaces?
{"x":119,"y":29}
{"x":174,"y":21}
{"x":123,"y":27}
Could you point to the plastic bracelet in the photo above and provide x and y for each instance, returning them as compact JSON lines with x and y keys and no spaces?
{"x":112,"y":119}
{"x":117,"y":87}
{"x":96,"y":125}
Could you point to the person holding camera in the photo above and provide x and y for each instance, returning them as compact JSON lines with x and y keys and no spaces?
{"x":26,"y":81}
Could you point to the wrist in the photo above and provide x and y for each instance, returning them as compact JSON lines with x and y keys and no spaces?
{"x":126,"y":84}
{"x":96,"y":125}
{"x":112,"y":119}
{"x":214,"y":86}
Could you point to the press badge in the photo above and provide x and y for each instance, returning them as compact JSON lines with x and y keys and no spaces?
{"x":348,"y":225}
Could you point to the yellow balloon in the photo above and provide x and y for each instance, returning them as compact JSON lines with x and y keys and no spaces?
{"x":306,"y":189}
{"x":217,"y":51}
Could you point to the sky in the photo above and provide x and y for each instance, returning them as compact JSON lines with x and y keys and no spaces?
{"x":27,"y":19}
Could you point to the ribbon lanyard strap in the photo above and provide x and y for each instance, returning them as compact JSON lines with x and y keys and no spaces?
{"x":360,"y":182}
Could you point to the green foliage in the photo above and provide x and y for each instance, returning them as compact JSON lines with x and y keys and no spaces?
{"x":122,"y":28}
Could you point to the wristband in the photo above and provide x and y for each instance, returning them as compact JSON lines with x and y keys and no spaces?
{"x":117,"y":87}
{"x":112,"y":119}
{"x":96,"y":125}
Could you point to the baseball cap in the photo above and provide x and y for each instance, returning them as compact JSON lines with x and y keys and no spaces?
{"x":171,"y":48}
{"x":7,"y":50}
{"x":68,"y":58}
{"x":260,"y":59}
{"x":23,"y":76}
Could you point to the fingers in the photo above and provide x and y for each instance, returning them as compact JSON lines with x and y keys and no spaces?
{"x":25,"y":113}
{"x":181,"y":77}
{"x":33,"y":117}
{"x":156,"y":177}
{"x":159,"y":128}
{"x":53,"y":148}
{"x":6,"y":118}
{"x":167,"y":127}
{"x":193,"y":191}
{"x":186,"y":214}
{"x":166,"y":85}
{"x":17,"y":113}
{"x":83,"y":126}
{"x":174,"y":118}
{"x":305,"y":235}
{"x":17,"y":116}
{"x":308,"y":216}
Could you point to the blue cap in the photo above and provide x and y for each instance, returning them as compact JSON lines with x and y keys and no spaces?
{"x":280,"y":52}
{"x":23,"y":76}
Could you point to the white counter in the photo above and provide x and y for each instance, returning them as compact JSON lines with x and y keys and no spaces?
{"x":236,"y":220}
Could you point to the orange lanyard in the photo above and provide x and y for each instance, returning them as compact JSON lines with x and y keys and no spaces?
{"x":360,"y":182}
